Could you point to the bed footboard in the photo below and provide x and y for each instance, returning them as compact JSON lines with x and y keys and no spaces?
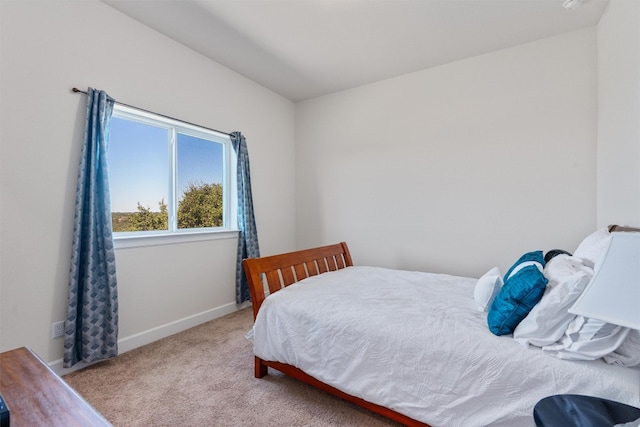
{"x":273,"y":273}
{"x":278,"y":271}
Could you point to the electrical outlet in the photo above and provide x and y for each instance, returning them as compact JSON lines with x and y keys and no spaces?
{"x":57,"y":330}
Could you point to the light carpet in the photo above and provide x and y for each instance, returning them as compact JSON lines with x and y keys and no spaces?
{"x":204,"y":377}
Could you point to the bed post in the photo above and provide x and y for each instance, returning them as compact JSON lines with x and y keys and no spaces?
{"x":261,"y":368}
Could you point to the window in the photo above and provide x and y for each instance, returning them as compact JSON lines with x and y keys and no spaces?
{"x":166,"y":177}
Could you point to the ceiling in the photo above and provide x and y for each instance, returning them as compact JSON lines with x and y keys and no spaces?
{"x":306,"y":48}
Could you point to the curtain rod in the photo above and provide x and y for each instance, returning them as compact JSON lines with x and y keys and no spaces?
{"x":76,"y":90}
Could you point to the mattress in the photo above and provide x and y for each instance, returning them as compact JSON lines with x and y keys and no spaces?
{"x":415,"y":343}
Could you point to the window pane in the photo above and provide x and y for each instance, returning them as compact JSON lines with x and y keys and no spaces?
{"x":199,"y":177}
{"x":138,"y":175}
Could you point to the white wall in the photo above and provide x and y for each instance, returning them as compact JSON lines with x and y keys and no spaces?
{"x":454,"y":169}
{"x":457,"y":168}
{"x":49,"y":47}
{"x":619,"y":114}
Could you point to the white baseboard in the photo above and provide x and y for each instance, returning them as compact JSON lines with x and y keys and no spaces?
{"x":138,"y":340}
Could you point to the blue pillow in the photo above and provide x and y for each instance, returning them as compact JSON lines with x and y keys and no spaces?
{"x":524,"y":285}
{"x":526,"y":259}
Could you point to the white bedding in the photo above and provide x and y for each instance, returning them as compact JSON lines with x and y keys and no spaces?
{"x":414,"y":342}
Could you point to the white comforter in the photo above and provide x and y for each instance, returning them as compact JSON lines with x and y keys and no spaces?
{"x":415,"y":343}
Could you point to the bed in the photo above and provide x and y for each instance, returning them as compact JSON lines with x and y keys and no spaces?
{"x":411,"y":346}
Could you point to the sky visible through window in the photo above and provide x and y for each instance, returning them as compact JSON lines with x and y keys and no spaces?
{"x":138,"y":156}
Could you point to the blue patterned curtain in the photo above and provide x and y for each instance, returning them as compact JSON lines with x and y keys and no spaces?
{"x":91,"y":329}
{"x":248,"y":238}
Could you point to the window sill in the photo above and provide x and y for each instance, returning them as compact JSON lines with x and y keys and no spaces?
{"x":124,"y":242}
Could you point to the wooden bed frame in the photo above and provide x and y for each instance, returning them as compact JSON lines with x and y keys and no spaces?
{"x":278,"y":271}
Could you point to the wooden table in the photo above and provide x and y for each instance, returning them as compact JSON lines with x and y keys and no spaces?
{"x":36,"y":396}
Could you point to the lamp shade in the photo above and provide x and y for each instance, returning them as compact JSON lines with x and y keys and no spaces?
{"x":613,"y":295}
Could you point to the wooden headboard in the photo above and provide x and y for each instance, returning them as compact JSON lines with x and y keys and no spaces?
{"x":279,"y":271}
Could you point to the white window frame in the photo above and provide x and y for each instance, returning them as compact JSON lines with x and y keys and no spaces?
{"x":229,"y":190}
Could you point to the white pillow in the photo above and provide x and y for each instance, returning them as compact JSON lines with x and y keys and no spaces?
{"x":548,"y":320}
{"x":594,"y":247}
{"x":487,"y":287}
{"x":587,"y":338}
